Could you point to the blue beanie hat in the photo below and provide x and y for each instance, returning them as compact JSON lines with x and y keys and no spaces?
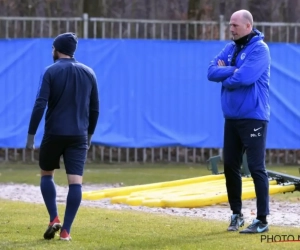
{"x":66,"y":43}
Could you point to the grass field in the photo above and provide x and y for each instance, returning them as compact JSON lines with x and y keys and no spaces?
{"x":128,"y":174}
{"x":23,"y":224}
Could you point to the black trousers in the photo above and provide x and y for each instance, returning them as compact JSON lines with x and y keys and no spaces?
{"x":250,"y":136}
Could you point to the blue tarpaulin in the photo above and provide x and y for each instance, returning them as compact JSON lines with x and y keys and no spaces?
{"x":152,"y":93}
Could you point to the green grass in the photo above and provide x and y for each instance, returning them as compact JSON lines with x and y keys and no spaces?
{"x":128,"y":174}
{"x":22,"y":226}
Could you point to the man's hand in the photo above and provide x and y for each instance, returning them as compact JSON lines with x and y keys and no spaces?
{"x":235,"y":70}
{"x":89,"y":141}
{"x":221,"y":63}
{"x":30,"y":141}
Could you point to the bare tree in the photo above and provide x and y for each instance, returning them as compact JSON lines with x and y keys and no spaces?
{"x":40,"y":8}
{"x":274,"y":10}
{"x":293,"y":10}
{"x":204,"y":10}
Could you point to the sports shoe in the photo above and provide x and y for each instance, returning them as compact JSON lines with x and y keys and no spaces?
{"x":64,"y":235}
{"x":236,"y":221}
{"x":53,"y":227}
{"x":256,"y":227}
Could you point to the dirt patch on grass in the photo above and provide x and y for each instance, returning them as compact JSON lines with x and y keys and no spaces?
{"x":281,"y":213}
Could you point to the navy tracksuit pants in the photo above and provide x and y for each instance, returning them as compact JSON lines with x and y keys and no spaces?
{"x":250,"y":136}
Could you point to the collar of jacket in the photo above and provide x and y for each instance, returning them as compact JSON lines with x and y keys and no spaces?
{"x":245,"y":39}
{"x":65,"y":59}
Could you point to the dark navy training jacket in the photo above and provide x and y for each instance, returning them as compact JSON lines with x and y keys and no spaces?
{"x":70,"y":90}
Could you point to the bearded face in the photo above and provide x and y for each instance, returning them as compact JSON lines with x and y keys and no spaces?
{"x":54,"y":54}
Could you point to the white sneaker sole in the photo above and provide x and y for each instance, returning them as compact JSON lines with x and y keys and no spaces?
{"x":66,"y":239}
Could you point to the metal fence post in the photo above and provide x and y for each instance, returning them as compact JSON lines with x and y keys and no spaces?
{"x":222,"y":27}
{"x":85,"y":18}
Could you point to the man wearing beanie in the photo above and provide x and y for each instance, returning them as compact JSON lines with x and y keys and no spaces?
{"x":65,"y":44}
{"x":69,"y":88}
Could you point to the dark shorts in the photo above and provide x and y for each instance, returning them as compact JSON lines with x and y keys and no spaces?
{"x":72,"y":148}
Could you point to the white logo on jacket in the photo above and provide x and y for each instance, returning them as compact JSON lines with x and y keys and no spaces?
{"x":243,"y":55}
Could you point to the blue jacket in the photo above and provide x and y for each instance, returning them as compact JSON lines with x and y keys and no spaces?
{"x":244,"y":93}
{"x":70,"y":91}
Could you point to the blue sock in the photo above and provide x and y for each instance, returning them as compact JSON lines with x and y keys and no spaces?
{"x":48,"y":190}
{"x":73,"y":203}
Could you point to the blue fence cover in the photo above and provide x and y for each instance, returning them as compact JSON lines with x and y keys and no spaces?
{"x":152,"y":93}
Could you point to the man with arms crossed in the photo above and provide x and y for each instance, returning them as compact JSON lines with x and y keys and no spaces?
{"x":70,"y":90}
{"x":243,"y":68}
